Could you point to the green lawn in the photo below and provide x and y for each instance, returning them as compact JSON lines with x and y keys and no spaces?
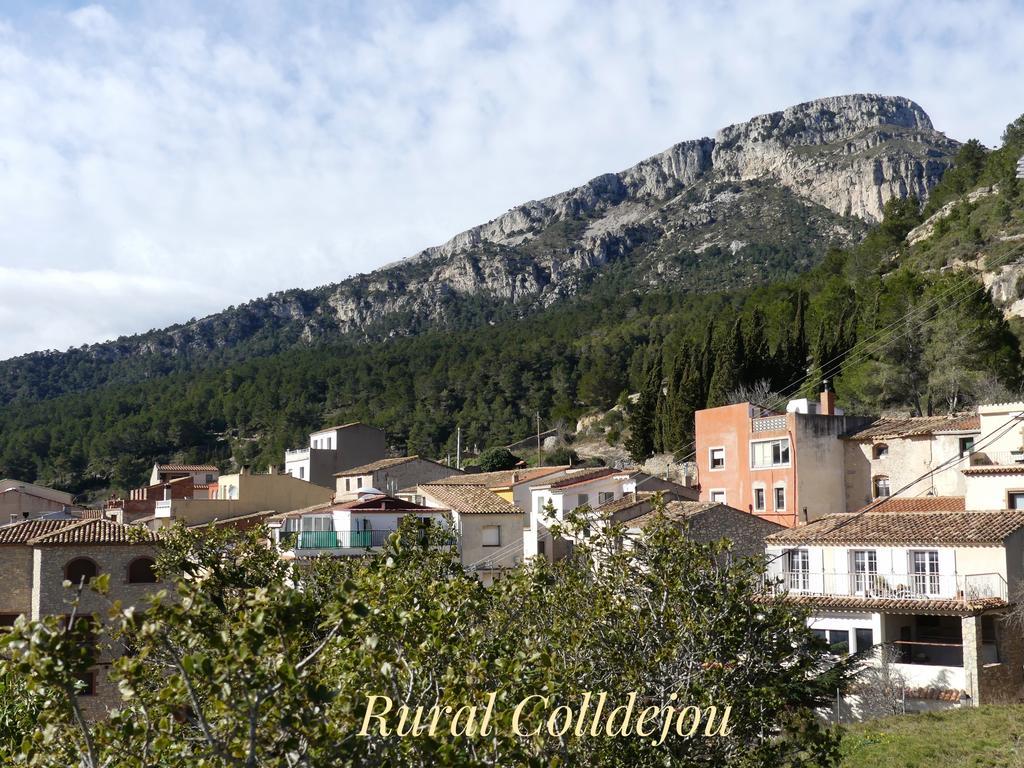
{"x":986,"y":737}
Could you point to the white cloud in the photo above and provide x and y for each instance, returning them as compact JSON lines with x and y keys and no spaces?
{"x":193,"y":158}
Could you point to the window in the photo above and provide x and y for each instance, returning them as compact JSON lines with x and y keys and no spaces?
{"x":924,"y":565}
{"x":87,"y":685}
{"x":80,"y":568}
{"x":302,"y":473}
{"x":759,"y":500}
{"x":780,"y":498}
{"x":491,"y":536}
{"x":605,"y":496}
{"x":1015,"y":500}
{"x":966,"y":446}
{"x":209,"y":479}
{"x":769,"y":453}
{"x":542,"y":548}
{"x":717,"y":458}
{"x":880,"y":451}
{"x":318,"y":523}
{"x":839,"y":641}
{"x":583,"y":498}
{"x":348,"y":484}
{"x":798,"y":576}
{"x":7,"y":620}
{"x":141,"y":571}
{"x":359,"y":482}
{"x":881,"y":487}
{"x":718,"y":497}
{"x":864,"y":637}
{"x":865,"y":570}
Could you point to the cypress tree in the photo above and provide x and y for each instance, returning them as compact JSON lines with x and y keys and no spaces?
{"x":642,"y":414}
{"x":728,"y":366}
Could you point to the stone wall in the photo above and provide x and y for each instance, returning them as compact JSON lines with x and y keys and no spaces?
{"x":15,"y":579}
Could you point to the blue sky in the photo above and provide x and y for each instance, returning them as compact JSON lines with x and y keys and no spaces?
{"x":161,"y":161}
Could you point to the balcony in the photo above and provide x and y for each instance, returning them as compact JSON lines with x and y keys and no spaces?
{"x":297,"y":454}
{"x":306,"y":540}
{"x":768,"y":424}
{"x":891,"y":586}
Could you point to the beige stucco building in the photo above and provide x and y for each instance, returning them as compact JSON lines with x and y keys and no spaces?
{"x":390,"y":476}
{"x":25,"y":501}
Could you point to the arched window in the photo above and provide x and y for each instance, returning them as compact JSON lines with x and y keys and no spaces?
{"x":880,"y":451}
{"x":881,"y":486}
{"x":141,"y":571}
{"x":79,"y":568}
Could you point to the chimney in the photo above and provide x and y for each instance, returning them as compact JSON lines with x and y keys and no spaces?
{"x":828,"y":399}
{"x":167,"y":492}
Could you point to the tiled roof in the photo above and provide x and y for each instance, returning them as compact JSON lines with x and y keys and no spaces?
{"x":945,"y":607}
{"x":338,"y":426}
{"x":919,"y":504}
{"x":919,"y":425}
{"x":187,"y":468}
{"x":96,"y":532}
{"x":23,"y":532}
{"x":994,"y":469}
{"x":678,"y":512}
{"x":501,"y":479}
{"x":626,"y":501}
{"x":905,"y":528}
{"x":584,"y":476}
{"x":380,"y":464}
{"x":471,"y":500}
{"x":951,"y":695}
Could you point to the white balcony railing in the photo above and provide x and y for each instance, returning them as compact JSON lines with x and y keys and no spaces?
{"x":997,"y":458}
{"x":296,"y":454}
{"x":896,"y":586}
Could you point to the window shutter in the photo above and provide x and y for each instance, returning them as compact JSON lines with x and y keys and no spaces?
{"x":840,"y":582}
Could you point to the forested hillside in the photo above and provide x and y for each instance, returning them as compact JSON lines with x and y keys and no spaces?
{"x":680,"y":349}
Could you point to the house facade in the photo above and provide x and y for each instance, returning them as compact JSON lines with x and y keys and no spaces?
{"x":933,"y":588}
{"x":203,"y":475}
{"x":38,"y":556}
{"x":335,"y":449}
{"x":923,"y":455}
{"x":26,"y":501}
{"x":785,"y":467}
{"x":389,"y":476}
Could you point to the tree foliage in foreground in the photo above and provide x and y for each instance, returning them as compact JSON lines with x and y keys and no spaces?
{"x":248,"y":661}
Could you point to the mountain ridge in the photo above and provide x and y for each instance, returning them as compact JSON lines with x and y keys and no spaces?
{"x":769,"y":194}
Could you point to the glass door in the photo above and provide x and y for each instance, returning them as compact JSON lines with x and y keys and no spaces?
{"x":865,"y":571}
{"x":925,"y":566}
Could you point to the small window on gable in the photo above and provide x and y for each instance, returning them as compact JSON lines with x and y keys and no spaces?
{"x":880,"y":451}
{"x":79,"y":569}
{"x":141,"y":570}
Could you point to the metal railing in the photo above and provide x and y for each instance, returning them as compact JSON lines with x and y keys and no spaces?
{"x":297,"y":453}
{"x":895,"y":586}
{"x":335,"y":539}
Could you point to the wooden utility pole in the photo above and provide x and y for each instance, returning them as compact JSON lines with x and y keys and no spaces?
{"x":540,"y":455}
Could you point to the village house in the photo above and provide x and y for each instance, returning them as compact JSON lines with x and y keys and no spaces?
{"x":911,"y":453}
{"x":203,"y":475}
{"x":335,"y":449}
{"x":26,"y":501}
{"x":490,"y":528}
{"x":243,"y":493}
{"x":389,"y":475}
{"x":931,"y":586}
{"x":38,"y":556}
{"x":787,"y":467}
{"x":347,"y":528}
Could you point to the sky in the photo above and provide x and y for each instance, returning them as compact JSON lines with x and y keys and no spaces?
{"x":161,"y":161}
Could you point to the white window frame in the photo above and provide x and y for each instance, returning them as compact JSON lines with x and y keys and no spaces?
{"x":483,"y":536}
{"x":717,"y":491}
{"x":798,"y":570}
{"x":775,"y":497}
{"x":874,"y":487}
{"x":929,"y":581}
{"x":781,"y":465}
{"x":764,"y":498}
{"x":711,"y":458}
{"x":603,"y":497}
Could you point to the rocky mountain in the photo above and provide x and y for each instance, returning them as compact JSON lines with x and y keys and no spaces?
{"x":760,"y":200}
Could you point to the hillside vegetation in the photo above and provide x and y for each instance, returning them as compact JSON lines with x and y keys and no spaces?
{"x":680,"y":349}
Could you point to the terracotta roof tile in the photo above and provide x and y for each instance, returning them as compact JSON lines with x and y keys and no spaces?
{"x":471,"y":500}
{"x":95,"y":532}
{"x":375,"y":466}
{"x":913,"y":426}
{"x":187,"y":468}
{"x":949,"y":607}
{"x":918,"y":504}
{"x":626,"y":501}
{"x":994,"y":469}
{"x":24,"y":532}
{"x":584,"y":476}
{"x":905,"y":528}
{"x":501,"y":479}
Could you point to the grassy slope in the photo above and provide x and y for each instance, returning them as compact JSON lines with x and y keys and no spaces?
{"x":986,"y":737}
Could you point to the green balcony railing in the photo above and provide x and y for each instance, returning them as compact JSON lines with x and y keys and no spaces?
{"x":340,"y":539}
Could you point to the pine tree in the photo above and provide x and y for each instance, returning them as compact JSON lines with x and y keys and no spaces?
{"x":728,"y":366}
{"x":642,"y":414}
